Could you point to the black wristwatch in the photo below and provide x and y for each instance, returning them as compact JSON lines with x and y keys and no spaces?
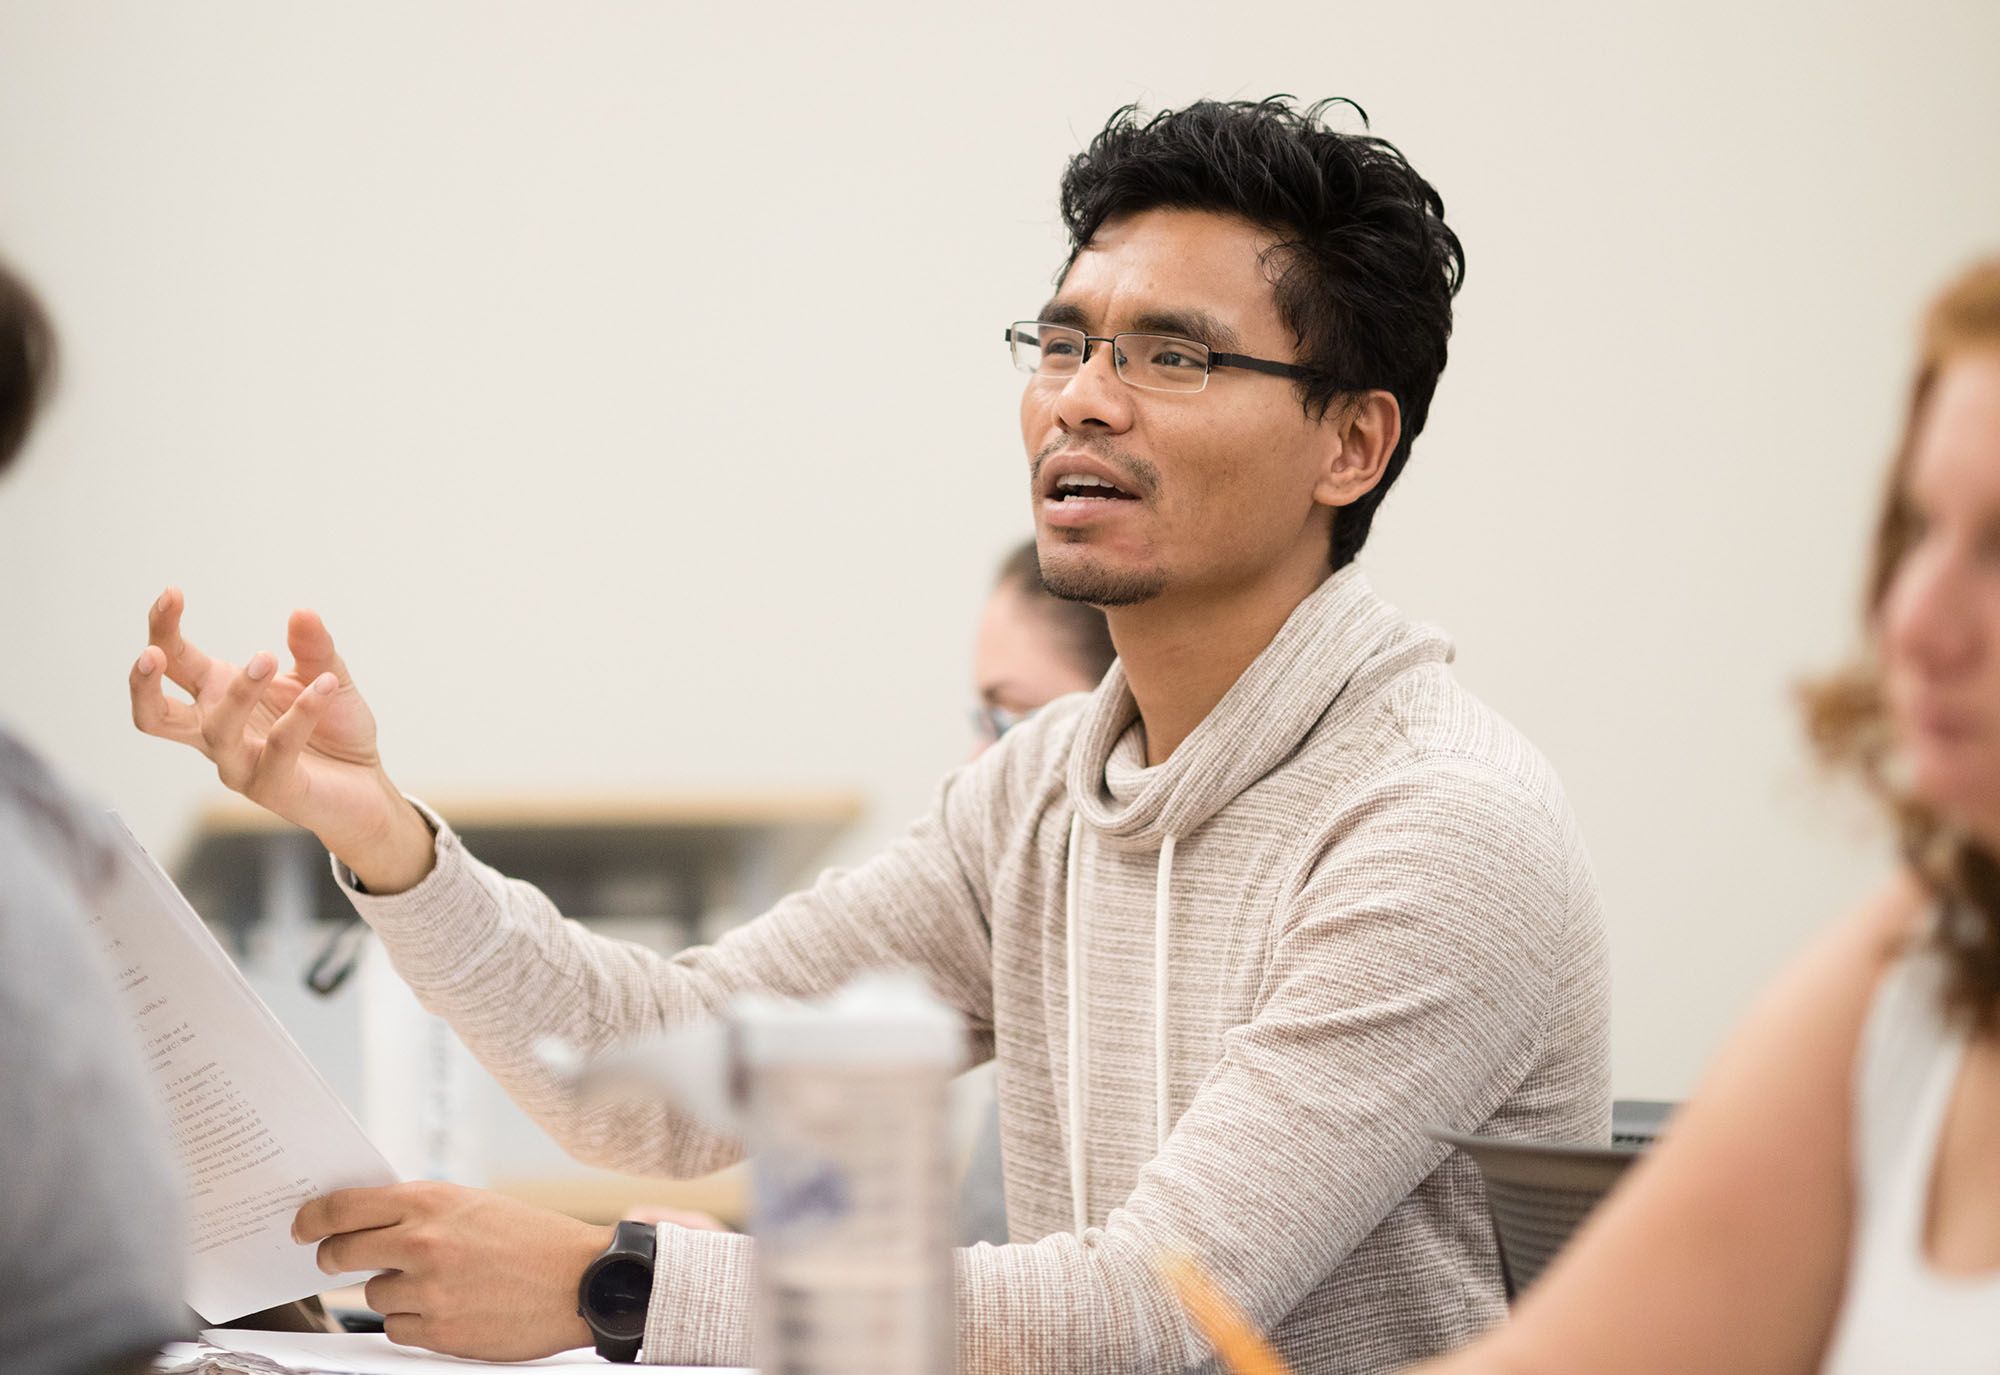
{"x":615,"y":1290}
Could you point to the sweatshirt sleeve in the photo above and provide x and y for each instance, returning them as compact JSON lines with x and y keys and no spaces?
{"x":1406,"y":988}
{"x":494,"y":958}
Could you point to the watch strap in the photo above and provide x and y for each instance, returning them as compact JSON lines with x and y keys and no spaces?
{"x":632,"y":1241}
{"x":622,"y":1350}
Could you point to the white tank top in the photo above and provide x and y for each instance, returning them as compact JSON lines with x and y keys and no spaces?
{"x":1898,"y":1312}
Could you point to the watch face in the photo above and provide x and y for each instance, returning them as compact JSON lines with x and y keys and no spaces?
{"x":616,"y":1297}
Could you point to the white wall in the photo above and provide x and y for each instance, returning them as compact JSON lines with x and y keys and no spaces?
{"x":511,"y":336}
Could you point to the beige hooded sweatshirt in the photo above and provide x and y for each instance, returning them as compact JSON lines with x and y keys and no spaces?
{"x":1226,"y":995}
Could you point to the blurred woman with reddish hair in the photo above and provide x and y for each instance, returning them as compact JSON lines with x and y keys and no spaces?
{"x":1830,"y":1198}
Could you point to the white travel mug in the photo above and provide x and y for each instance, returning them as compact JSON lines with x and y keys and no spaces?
{"x":843,"y":1102}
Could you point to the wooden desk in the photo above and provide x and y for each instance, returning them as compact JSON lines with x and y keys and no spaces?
{"x":599,"y":1198}
{"x":637,"y":854}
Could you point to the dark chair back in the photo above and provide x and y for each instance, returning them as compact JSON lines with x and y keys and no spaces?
{"x":1538,"y":1193}
{"x":1638,"y":1122}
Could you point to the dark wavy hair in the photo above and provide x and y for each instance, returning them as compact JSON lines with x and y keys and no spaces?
{"x":1365,"y":268}
{"x":27,"y":362}
{"x":1847,"y":713}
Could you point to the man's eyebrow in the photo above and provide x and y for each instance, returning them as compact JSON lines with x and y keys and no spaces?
{"x":1197,"y":325}
{"x":1061,"y":312}
{"x":1190,"y":323}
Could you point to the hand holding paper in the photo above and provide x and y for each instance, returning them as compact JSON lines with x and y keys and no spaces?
{"x":465,"y":1271}
{"x":258,"y":1130}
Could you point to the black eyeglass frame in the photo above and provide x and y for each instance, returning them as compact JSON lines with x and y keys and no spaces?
{"x":1242,"y":361}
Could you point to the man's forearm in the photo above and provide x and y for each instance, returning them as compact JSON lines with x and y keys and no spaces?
{"x":496,"y":959}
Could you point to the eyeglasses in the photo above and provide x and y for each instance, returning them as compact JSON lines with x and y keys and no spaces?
{"x":1155,"y":362}
{"x":993,"y":722}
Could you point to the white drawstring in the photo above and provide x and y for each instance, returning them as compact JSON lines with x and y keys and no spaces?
{"x":1161,"y":884}
{"x":1073,"y":937}
{"x":1079,"y":986}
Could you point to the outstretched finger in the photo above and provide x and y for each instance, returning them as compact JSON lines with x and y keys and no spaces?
{"x":282,"y":692}
{"x":224,"y":720}
{"x":185,"y":664}
{"x":287,"y":738}
{"x":152,"y":710}
{"x":312,"y":649}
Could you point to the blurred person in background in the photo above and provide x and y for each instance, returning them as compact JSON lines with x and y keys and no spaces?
{"x":90,"y":1200}
{"x":1829,"y":1200}
{"x":1031,"y":648}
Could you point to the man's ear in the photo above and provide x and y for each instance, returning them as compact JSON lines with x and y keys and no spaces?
{"x":1361,"y":433}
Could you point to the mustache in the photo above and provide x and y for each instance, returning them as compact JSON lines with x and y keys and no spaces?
{"x":1144,"y":473}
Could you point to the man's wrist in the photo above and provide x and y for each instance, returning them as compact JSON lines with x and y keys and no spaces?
{"x":596,"y":1241}
{"x":399,"y":856}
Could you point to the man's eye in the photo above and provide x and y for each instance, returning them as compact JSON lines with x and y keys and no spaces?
{"x":1175,"y":358}
{"x":1058,"y":348}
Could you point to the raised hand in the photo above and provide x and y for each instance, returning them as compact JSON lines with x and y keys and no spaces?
{"x":300,"y":743}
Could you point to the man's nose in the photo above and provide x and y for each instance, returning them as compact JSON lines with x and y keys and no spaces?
{"x":1094,"y":395}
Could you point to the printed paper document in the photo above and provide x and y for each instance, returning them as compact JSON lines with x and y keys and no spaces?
{"x":357,"y":1353}
{"x":258,"y":1130}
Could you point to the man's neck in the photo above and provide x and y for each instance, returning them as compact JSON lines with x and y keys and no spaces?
{"x":1182,"y":653}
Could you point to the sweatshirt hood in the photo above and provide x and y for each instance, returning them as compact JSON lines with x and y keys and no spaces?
{"x":1338,"y":650}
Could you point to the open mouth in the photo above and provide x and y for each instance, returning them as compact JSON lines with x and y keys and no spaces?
{"x":1084,"y":487}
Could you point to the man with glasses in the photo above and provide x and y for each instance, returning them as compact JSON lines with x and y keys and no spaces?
{"x":1238,"y":925}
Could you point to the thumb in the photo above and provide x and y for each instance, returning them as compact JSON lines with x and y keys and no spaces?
{"x":312,"y":649}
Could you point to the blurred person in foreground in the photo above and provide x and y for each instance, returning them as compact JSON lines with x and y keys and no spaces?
{"x":1829,"y":1200}
{"x":1234,"y":927}
{"x":90,"y":1200}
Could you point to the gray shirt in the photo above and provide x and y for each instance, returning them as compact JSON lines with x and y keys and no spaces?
{"x":90,"y":1208}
